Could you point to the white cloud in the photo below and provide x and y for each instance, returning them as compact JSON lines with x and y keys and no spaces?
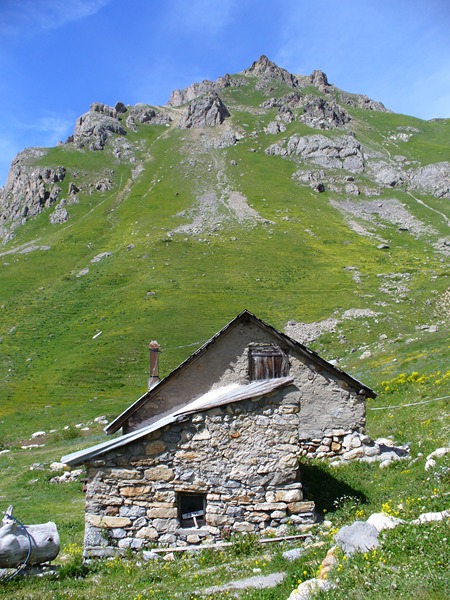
{"x":54,"y":128}
{"x":35,"y":15}
{"x":202,"y":16}
{"x":44,"y":131}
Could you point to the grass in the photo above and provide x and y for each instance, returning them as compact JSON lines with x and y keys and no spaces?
{"x":56,"y":372}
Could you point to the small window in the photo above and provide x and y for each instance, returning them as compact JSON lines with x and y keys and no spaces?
{"x":267,"y":361}
{"x":192,"y":508}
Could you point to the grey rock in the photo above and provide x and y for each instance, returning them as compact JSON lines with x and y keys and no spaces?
{"x":290,"y":101}
{"x":120,"y":108}
{"x":93,"y":129}
{"x":320,"y":81}
{"x":293,"y":554}
{"x":103,"y":185}
{"x":274,"y":127}
{"x":60,"y":215}
{"x":344,"y":152}
{"x":361,"y":101}
{"x":323,"y":114}
{"x":132,"y":511}
{"x":28,"y":190}
{"x":179,"y":97}
{"x":118,"y":533}
{"x":264,"y":69}
{"x":183,"y":96}
{"x":93,"y":536}
{"x":358,"y":537}
{"x":386,"y":174}
{"x":148,"y":555}
{"x":145,"y":114}
{"x":207,"y":111}
{"x":432,"y":179}
{"x":104,"y":109}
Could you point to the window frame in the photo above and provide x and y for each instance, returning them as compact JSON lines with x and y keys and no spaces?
{"x":273,"y":363}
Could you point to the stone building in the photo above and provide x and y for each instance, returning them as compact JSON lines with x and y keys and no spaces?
{"x":214,"y":447}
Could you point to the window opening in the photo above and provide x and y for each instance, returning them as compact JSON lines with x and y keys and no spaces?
{"x":192,"y":508}
{"x":267,"y":361}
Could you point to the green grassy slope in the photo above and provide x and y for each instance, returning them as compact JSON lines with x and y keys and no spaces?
{"x":57,"y":369}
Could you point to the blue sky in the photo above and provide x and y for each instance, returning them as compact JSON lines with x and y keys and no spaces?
{"x":59,"y":56}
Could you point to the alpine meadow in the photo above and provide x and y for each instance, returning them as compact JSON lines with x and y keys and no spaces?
{"x":320,"y":211}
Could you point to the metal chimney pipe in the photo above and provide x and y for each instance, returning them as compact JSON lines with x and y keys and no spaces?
{"x":154,"y":364}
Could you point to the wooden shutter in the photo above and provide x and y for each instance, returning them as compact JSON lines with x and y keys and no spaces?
{"x":267,"y":362}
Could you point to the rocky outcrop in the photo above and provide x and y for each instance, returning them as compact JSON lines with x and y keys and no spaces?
{"x":323,"y":114}
{"x":60,"y":214}
{"x":344,"y":152}
{"x":431,"y":179}
{"x":292,"y":100}
{"x":28,"y":190}
{"x":185,"y":95}
{"x":265,"y":70}
{"x":93,"y":129}
{"x":386,"y":174}
{"x":145,"y":114}
{"x":179,"y":97}
{"x":361,"y":101}
{"x":207,"y":111}
{"x":320,"y":81}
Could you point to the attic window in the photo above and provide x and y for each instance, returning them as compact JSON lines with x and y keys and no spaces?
{"x":192,"y":508}
{"x":267,"y":361}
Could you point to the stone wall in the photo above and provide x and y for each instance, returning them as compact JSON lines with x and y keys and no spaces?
{"x":242,"y":457}
{"x":340,"y":446}
{"x":326,"y":399}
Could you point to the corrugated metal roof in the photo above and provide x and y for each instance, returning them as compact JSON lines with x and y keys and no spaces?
{"x":225,"y":395}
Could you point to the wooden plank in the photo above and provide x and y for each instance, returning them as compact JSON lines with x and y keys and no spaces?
{"x":219,"y":545}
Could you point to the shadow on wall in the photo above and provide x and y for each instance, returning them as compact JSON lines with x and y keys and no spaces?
{"x":327,"y":490}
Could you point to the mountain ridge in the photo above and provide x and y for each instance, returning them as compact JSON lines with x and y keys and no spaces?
{"x":29,"y":191}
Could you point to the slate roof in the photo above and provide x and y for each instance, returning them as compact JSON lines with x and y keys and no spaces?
{"x":224,"y":395}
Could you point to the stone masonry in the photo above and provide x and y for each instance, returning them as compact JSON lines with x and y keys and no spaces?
{"x":241,"y":457}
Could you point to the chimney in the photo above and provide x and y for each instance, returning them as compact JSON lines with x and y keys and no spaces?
{"x":154,"y":364}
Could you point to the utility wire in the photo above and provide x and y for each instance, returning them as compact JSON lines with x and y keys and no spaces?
{"x":405,"y":405}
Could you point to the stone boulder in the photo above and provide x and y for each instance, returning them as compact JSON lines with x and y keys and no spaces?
{"x":206,"y":111}
{"x":358,"y":537}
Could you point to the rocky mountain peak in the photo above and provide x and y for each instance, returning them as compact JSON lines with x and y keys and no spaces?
{"x":94,"y":127}
{"x":266,"y":69}
{"x":320,"y":81}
